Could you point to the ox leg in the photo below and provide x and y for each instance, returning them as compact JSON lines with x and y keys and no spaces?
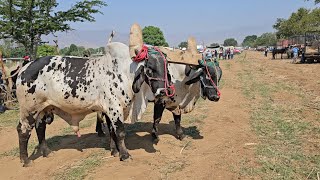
{"x":158,"y":111}
{"x":179,"y":131}
{"x":120,"y":132}
{"x":113,"y":138}
{"x":24,"y":135}
{"x":99,"y":124}
{"x":41,"y":134}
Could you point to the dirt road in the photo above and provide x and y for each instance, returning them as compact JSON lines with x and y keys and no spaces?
{"x":265,"y":125}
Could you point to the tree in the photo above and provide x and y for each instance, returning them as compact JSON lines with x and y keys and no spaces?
{"x":46,"y":50}
{"x":183,"y":44}
{"x":18,"y":52}
{"x":64,"y":51}
{"x":315,"y":1}
{"x":153,"y":36}
{"x":6,"y":48}
{"x":249,"y":41}
{"x":26,"y":21}
{"x":298,"y":23}
{"x":266,"y":39}
{"x":230,"y":42}
{"x":73,"y":50}
{"x":214,"y":44}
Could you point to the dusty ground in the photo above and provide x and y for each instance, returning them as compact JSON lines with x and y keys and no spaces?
{"x":266,"y":126}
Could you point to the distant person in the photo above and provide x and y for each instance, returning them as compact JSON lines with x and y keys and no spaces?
{"x":221,"y":53}
{"x":231,"y":53}
{"x":295,"y":51}
{"x":228,"y":53}
{"x":266,"y":51}
{"x":208,"y":55}
{"x":215,"y":53}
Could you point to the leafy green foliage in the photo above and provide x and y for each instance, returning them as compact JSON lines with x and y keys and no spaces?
{"x":10,"y":49}
{"x":25,"y":21}
{"x":18,"y":52}
{"x":214,"y":44}
{"x":183,"y":44}
{"x":249,"y":41}
{"x":46,"y":50}
{"x":154,"y":36}
{"x":266,"y":39}
{"x":74,"y":50}
{"x":315,"y":1}
{"x":298,"y":23}
{"x":230,"y":42}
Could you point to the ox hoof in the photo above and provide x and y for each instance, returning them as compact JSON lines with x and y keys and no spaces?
{"x":27,"y":163}
{"x":46,"y":152}
{"x":155,"y":138}
{"x":181,"y":136}
{"x":101,"y":134}
{"x":114,"y":153}
{"x":125,"y":157}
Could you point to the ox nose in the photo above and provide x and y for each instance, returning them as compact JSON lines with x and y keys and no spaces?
{"x":216,"y":98}
{"x":160,"y":92}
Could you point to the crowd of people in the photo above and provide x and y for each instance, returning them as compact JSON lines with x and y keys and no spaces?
{"x":221,"y":53}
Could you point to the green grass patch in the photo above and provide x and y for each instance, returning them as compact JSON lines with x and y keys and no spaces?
{"x":9,"y":119}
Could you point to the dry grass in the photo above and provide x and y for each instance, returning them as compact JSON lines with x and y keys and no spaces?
{"x":280,"y":126}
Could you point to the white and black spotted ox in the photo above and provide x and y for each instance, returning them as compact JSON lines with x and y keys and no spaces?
{"x":190,"y":84}
{"x":72,"y":87}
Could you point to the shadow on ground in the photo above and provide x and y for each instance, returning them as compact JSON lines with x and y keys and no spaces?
{"x":133,"y":140}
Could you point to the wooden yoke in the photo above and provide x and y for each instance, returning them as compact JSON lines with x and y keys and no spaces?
{"x":188,"y":57}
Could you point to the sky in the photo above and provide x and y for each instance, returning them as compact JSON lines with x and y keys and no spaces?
{"x":209,"y":21}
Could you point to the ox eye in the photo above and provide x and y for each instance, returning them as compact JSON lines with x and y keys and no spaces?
{"x":149,"y":71}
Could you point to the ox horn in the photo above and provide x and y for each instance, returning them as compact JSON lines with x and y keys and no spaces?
{"x":136,"y":41}
{"x":192,"y":45}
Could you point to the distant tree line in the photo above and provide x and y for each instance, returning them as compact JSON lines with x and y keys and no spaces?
{"x":12,"y":50}
{"x":266,"y":39}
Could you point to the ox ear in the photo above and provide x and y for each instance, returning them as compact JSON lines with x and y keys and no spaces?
{"x":138,"y":79}
{"x":195,"y":77}
{"x":187,"y":71}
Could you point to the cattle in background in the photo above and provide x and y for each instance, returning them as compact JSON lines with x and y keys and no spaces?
{"x":281,"y":51}
{"x":191,"y":83}
{"x":73,"y":87}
